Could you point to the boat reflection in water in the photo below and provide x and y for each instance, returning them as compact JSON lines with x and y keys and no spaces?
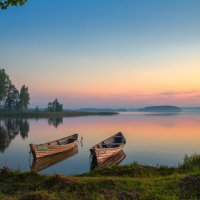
{"x":42,"y":163}
{"x":110,"y":160}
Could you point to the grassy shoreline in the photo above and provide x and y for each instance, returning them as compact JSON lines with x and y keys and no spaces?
{"x":133,"y":181}
{"x":32,"y":114}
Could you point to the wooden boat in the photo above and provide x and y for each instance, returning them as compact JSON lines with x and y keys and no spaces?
{"x":54,"y":147}
{"x":108,"y":147}
{"x":42,"y":163}
{"x":114,"y":159}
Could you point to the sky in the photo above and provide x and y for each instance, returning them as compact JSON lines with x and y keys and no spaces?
{"x":104,"y":53}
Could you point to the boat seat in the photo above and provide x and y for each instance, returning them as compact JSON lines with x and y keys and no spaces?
{"x":53,"y":143}
{"x":114,"y":144}
{"x":59,"y":143}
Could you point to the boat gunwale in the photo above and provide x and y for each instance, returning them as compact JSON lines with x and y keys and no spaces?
{"x":120,"y":145}
{"x":47,"y":143}
{"x":109,"y":148}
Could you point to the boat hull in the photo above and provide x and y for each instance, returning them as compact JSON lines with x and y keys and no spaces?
{"x":108,"y":147}
{"x":54,"y":147}
{"x":50,"y":150}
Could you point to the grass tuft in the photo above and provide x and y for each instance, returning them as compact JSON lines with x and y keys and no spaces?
{"x":38,"y":195}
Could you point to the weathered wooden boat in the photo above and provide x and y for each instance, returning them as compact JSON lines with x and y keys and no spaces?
{"x":108,"y":147}
{"x":54,"y":147}
{"x":114,"y":159}
{"x":45,"y":162}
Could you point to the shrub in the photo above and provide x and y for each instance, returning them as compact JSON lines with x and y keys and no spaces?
{"x":193,"y":160}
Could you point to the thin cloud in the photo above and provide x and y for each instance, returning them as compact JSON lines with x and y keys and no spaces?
{"x":196,"y":96}
{"x":132,"y":95}
{"x":172,"y":93}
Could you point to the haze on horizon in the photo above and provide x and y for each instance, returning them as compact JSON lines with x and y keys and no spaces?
{"x":104,"y":53}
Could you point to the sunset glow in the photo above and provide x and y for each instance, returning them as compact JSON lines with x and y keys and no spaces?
{"x":104,"y":53}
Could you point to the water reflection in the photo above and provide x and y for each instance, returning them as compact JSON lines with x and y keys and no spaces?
{"x":10,"y":128}
{"x":110,"y":160}
{"x":162,"y":114}
{"x":40,"y":164}
{"x":150,"y":139}
{"x":55,"y":121}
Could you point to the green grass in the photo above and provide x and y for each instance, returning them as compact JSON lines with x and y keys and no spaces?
{"x":133,"y":181}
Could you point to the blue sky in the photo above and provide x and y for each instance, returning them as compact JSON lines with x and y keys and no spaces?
{"x":103,"y":53}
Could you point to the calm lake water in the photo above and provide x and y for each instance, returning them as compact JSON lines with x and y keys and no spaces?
{"x":151,"y":139}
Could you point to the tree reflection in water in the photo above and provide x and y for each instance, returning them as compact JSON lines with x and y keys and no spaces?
{"x":55,"y":121}
{"x":10,"y":128}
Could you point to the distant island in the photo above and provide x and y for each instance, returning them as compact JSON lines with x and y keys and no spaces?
{"x":164,"y":108}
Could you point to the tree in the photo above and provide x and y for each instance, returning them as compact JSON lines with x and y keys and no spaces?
{"x":5,"y":3}
{"x":9,"y":95}
{"x":4,"y":85}
{"x":55,"y":106}
{"x":12,"y":98}
{"x":24,"y":98}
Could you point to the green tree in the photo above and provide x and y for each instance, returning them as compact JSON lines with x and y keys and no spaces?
{"x":4,"y":86}
{"x":5,"y":3}
{"x":12,"y":98}
{"x":55,"y":106}
{"x":24,"y":98}
{"x":9,"y":95}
